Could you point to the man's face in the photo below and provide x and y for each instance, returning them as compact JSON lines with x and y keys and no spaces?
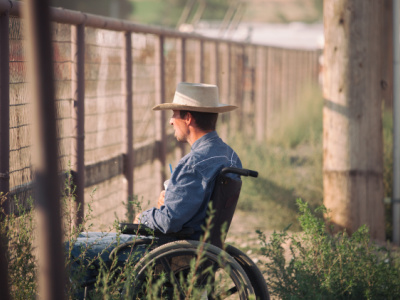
{"x":180,"y":126}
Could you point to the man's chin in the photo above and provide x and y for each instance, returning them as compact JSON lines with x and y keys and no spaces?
{"x":180,"y":140}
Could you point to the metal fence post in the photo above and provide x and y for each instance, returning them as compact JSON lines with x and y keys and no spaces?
{"x":229,"y":118}
{"x":180,"y":60}
{"x":181,"y":76}
{"x":4,"y":110}
{"x":213,"y":64}
{"x":160,"y":98}
{"x":199,"y":62}
{"x":5,"y":143}
{"x":51,"y":263}
{"x":129,"y":163}
{"x":260,"y":94}
{"x":217,"y":65}
{"x":270,"y":93}
{"x":78,"y":88}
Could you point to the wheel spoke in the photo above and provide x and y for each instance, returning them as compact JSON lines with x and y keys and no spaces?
{"x":168,"y":270}
{"x":174,"y":259}
{"x":227,"y":293}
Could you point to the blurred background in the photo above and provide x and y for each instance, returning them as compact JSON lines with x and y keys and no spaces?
{"x":287,"y":23}
{"x":290,"y":159}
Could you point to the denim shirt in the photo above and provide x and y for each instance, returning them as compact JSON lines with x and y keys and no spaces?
{"x":191,"y":185}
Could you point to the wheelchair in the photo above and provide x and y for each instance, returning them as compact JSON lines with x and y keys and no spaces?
{"x":214,"y":269}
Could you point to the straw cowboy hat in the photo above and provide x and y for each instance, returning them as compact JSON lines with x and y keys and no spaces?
{"x":198,"y":97}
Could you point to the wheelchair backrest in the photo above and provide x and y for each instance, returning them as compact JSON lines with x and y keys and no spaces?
{"x":224,"y":200}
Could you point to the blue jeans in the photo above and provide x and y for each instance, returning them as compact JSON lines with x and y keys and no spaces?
{"x":91,"y":248}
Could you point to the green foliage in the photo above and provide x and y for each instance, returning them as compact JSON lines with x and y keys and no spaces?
{"x":302,"y":123}
{"x":168,"y":12}
{"x":98,"y":7}
{"x":115,"y":277}
{"x":289,"y":166}
{"x":325,"y":266}
{"x":17,"y":232}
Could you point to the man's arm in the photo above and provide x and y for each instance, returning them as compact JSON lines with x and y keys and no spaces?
{"x":160,"y":203}
{"x":183,"y":200}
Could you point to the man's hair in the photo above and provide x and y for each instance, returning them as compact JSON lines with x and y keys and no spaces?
{"x":205,"y":121}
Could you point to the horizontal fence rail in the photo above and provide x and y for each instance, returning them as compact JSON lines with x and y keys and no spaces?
{"x":108,"y":75}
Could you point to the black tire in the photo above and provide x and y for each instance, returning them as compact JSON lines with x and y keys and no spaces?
{"x":173,"y":259}
{"x":252,"y":271}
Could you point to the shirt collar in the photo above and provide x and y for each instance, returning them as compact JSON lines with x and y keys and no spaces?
{"x":207,"y":137}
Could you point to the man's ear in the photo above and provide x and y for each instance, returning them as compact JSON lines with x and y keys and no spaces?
{"x":189,"y":119}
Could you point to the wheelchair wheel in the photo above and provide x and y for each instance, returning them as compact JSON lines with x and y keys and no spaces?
{"x":252,"y":271}
{"x":190,"y":270}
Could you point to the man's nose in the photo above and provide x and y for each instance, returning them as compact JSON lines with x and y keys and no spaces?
{"x":171,"y":121}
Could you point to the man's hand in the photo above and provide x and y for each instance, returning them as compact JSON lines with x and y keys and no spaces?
{"x":137,"y":218}
{"x":160,"y":203}
{"x":161,"y":199}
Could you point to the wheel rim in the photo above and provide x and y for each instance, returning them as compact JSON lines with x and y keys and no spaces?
{"x":227,"y":283}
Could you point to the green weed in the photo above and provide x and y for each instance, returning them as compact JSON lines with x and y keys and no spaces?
{"x":106,"y":274}
{"x":302,"y":122}
{"x":289,"y":165}
{"x":17,"y":230}
{"x":325,"y":266}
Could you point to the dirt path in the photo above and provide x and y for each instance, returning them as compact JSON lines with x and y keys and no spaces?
{"x":242,"y":234}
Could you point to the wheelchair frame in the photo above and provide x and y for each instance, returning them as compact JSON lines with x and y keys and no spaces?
{"x":244,"y":273}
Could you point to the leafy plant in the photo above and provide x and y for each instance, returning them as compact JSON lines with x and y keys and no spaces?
{"x":325,"y":266}
{"x":17,"y":231}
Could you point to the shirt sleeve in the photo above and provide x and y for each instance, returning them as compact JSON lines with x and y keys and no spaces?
{"x":184,"y":197}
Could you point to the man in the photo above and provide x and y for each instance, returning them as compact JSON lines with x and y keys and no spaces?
{"x":184,"y":203}
{"x":195,"y":110}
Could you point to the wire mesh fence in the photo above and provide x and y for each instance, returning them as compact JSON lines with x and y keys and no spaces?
{"x":263,"y":81}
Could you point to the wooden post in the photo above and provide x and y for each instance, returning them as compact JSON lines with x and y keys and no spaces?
{"x":352,"y":137}
{"x":50,"y":258}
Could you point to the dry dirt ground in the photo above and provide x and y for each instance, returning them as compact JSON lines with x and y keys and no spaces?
{"x":242,"y":234}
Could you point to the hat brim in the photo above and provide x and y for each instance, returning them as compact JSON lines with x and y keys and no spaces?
{"x":207,"y":109}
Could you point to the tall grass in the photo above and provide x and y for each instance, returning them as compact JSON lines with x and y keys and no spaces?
{"x":302,"y":122}
{"x":17,"y":230}
{"x":289,"y":166}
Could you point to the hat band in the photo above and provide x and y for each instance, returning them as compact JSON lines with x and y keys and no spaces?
{"x":182,"y":99}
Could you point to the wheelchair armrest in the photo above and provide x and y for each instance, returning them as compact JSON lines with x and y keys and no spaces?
{"x":129,"y":228}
